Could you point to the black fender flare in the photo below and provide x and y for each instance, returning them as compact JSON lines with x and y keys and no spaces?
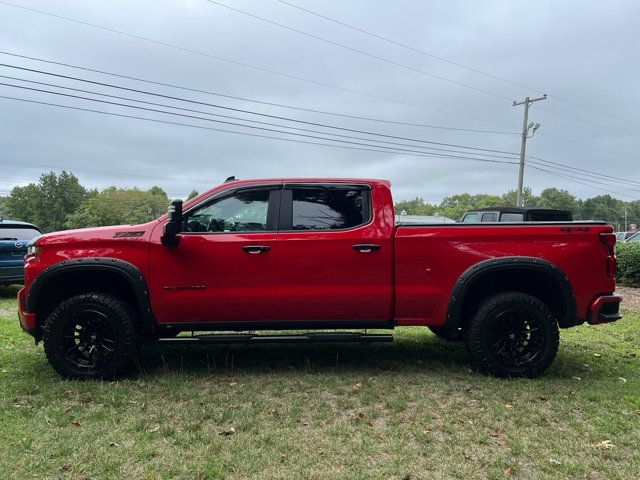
{"x":128,"y":271}
{"x":475,"y":273}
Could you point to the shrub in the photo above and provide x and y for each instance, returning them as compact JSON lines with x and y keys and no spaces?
{"x":628,"y":264}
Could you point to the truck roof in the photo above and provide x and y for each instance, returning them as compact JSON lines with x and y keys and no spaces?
{"x":517,"y":209}
{"x":259,"y":181}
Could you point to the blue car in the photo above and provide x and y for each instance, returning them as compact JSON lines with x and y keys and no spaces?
{"x":14,"y":237}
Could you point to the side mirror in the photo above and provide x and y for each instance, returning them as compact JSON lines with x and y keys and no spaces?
{"x":173,"y":226}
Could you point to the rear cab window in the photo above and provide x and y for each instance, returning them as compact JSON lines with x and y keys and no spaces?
{"x":512,"y":217}
{"x":325,"y":207}
{"x":489,"y":217}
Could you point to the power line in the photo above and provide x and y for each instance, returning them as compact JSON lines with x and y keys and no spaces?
{"x":238,"y":118}
{"x":395,"y":149}
{"x":292,"y":107}
{"x":589,"y":172}
{"x":316,"y":143}
{"x":248,"y":134}
{"x":324,"y":125}
{"x":450,"y":62}
{"x":356,"y":50}
{"x":588,"y":122}
{"x":247,"y":65}
{"x":245,"y":99}
{"x":586,"y":178}
{"x":562,"y":166}
{"x":582,"y":183}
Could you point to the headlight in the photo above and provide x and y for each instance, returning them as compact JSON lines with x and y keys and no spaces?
{"x":33,"y":249}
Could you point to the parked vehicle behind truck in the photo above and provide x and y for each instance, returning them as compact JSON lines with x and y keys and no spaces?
{"x":309,"y":254}
{"x":14,"y":237}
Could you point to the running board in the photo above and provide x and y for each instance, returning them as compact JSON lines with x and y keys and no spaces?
{"x":306,"y":337}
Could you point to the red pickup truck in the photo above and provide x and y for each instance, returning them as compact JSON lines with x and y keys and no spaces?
{"x":313,"y":254}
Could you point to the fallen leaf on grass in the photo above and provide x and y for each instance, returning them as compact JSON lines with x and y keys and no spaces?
{"x":362,"y":416}
{"x":233,"y":384}
{"x":467,"y":456}
{"x":114,"y":444}
{"x":508,"y":405}
{"x":502,"y":442}
{"x":154,"y":429}
{"x":604,"y":444}
{"x":70,"y":393}
{"x":507,"y":471}
{"x":597,"y":355}
{"x":283,"y":457}
{"x":553,"y":461}
{"x":576,"y":378}
{"x":228,"y":432}
{"x":76,"y":423}
{"x":357,"y":386}
{"x":496,"y":434}
{"x":622,"y":379}
{"x":369,"y":458}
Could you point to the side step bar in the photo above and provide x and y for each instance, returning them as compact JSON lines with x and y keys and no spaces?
{"x":305,"y":337}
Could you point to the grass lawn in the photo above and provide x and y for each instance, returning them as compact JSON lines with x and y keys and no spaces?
{"x":411,"y":409}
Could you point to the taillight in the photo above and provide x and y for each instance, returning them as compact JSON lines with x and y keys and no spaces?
{"x":609,"y":241}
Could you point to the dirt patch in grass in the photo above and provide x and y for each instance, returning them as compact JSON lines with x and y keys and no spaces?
{"x":631,"y":298}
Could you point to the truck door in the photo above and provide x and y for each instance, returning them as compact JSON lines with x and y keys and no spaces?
{"x":224,"y":266}
{"x":333,"y":257}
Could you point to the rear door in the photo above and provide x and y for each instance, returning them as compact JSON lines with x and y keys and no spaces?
{"x":332,"y":255}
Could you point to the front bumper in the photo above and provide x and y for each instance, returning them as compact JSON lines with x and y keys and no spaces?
{"x":27,"y":319}
{"x":604,"y":309}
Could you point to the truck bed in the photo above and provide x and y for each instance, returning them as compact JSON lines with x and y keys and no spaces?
{"x":432,"y":261}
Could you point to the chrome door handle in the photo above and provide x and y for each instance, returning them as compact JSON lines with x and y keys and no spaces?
{"x":253,"y":249}
{"x":366,"y":247}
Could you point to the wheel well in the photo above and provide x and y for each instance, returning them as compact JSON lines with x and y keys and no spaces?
{"x":75,"y":282}
{"x":537,"y":283}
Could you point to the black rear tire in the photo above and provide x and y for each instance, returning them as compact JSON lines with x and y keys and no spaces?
{"x":512,"y":335}
{"x":91,"y":336}
{"x":443,"y":333}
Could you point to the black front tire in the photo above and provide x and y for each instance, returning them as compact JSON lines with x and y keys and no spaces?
{"x":512,"y":335}
{"x":91,"y":336}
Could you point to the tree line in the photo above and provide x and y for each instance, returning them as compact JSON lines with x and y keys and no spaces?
{"x":58,"y":202}
{"x":600,"y":207}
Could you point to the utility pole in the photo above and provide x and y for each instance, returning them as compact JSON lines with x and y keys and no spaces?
{"x":523,"y":146}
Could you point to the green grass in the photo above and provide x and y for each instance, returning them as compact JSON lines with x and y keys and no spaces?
{"x":411,"y":409}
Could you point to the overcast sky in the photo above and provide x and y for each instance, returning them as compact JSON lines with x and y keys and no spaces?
{"x":584,"y":52}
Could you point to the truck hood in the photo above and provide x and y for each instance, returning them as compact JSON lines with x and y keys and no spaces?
{"x":99,"y":234}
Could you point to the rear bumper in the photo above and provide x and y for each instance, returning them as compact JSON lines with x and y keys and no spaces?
{"x":27,"y":319}
{"x":604,"y":309}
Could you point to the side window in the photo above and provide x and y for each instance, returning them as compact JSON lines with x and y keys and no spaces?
{"x":471,"y":218}
{"x":490,"y":217}
{"x":511,"y":217}
{"x":245,"y":211}
{"x":328,"y":209}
